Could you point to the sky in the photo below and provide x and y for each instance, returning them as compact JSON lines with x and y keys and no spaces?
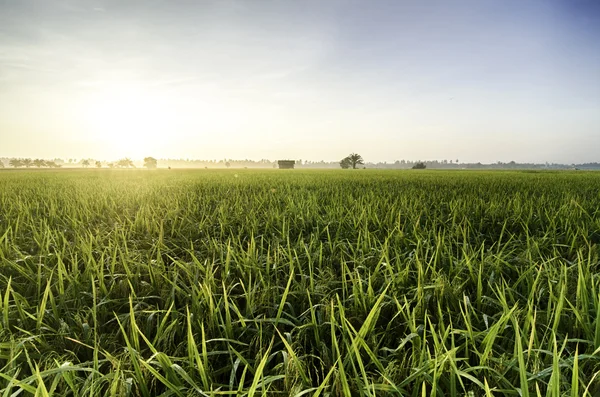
{"x":474,"y":80}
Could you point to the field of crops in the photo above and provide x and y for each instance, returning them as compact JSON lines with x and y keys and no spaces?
{"x":291,"y":283}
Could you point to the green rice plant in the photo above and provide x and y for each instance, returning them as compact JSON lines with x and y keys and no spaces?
{"x":194,"y":282}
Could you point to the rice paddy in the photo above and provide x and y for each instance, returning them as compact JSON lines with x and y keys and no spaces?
{"x":299,"y":283}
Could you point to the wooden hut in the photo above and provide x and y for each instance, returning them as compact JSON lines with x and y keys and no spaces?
{"x":286,"y":164}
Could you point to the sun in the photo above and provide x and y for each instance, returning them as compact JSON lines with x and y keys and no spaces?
{"x":133,"y":122}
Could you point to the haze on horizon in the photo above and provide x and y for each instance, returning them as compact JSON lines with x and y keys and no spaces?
{"x":477,"y":80}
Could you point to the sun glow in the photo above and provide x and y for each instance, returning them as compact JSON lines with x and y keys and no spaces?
{"x":131,"y":121}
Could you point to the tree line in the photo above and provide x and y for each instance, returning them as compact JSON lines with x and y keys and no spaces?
{"x":28,"y":163}
{"x":351,"y":161}
{"x":149,"y":162}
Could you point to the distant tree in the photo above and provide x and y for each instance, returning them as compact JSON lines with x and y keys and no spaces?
{"x":227,"y":164}
{"x":150,"y":162}
{"x":98,"y":164}
{"x":419,"y":166}
{"x":352,"y":160}
{"x":85,"y":163}
{"x":16,"y":163}
{"x":345,"y":163}
{"x":111,"y":165}
{"x":1,"y":164}
{"x":125,"y":163}
{"x":52,"y":164}
{"x":27,"y":162}
{"x":39,"y":163}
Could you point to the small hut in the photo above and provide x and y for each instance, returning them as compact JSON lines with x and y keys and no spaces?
{"x":286,"y":164}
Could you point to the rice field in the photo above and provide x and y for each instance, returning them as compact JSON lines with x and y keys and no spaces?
{"x":299,"y":283}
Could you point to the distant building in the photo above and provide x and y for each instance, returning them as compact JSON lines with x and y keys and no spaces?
{"x":286,"y":164}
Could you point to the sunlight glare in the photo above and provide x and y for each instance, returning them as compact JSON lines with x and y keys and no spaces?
{"x":132,"y":121}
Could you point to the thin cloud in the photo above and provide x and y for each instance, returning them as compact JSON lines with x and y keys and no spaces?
{"x":468,"y":73}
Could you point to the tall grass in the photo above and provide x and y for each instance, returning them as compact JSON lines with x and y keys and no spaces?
{"x":339,"y":283}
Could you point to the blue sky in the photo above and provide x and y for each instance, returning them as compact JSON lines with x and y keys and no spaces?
{"x":474,"y":80}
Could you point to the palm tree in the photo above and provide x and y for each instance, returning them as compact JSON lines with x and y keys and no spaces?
{"x":352,"y":160}
{"x":39,"y":163}
{"x":15,"y":163}
{"x":27,"y":162}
